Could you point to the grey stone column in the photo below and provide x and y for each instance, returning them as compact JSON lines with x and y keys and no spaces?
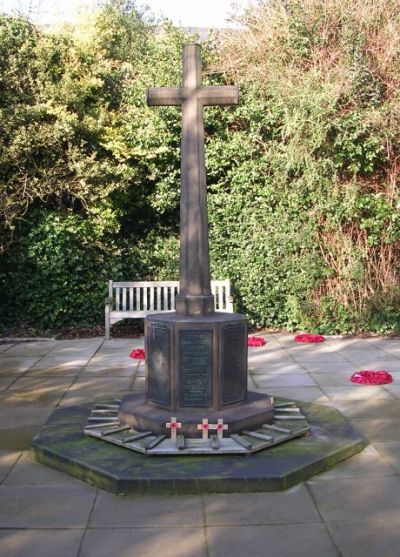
{"x":195,"y":297}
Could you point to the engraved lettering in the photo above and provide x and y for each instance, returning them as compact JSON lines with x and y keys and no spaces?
{"x":234,"y":376}
{"x":195,"y":368}
{"x":158,"y":381}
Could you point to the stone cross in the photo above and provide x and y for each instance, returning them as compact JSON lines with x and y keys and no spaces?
{"x":195,"y":297}
{"x":173,"y":425}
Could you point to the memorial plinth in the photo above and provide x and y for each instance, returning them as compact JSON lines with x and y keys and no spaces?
{"x":196,"y":368}
{"x":196,"y":359}
{"x":196,"y":362}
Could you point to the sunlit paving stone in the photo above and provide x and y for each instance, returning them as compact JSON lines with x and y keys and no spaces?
{"x":356,"y":392}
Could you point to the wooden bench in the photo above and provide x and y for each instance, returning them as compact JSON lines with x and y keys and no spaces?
{"x":135,"y":300}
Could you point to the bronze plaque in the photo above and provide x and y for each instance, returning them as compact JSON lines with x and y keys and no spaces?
{"x":233,"y":370}
{"x":158,"y":379}
{"x":195,"y":370}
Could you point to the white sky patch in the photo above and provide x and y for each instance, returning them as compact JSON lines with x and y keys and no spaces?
{"x":186,"y":13}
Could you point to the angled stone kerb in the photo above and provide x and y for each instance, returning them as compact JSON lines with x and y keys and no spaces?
{"x":61,"y":444}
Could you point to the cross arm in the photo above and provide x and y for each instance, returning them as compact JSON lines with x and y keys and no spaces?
{"x":220,"y":95}
{"x":165,"y":96}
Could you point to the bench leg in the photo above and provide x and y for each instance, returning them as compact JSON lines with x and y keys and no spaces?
{"x":107,"y":323}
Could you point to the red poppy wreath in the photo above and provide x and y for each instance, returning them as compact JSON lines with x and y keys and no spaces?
{"x":137,"y":354}
{"x":371,"y":377}
{"x":255,"y":341}
{"x":307,"y":337}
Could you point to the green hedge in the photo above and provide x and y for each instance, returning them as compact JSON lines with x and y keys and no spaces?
{"x":302,"y":192}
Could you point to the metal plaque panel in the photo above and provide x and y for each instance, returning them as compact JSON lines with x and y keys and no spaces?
{"x":234,"y":368}
{"x":195,"y":370}
{"x":159,"y":379}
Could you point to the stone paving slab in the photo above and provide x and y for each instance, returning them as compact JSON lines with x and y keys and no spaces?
{"x":307,"y":394}
{"x":356,"y":392}
{"x":301,"y":540}
{"x":104,"y":371}
{"x":45,"y":506}
{"x":332,"y":368}
{"x":19,"y":424}
{"x":26,"y":471}
{"x":290,"y":506}
{"x":369,"y":409}
{"x":393,"y":389}
{"x":122,"y":512}
{"x":25,"y":349}
{"x":355,"y":499}
{"x":331,"y":379}
{"x":88,"y":389}
{"x":380,"y":430}
{"x":5,"y":382}
{"x":40,"y":543}
{"x":5,"y":347}
{"x":355,"y":504}
{"x":7,"y":461}
{"x":11,"y":365}
{"x":284,"y":380}
{"x":60,"y":363}
{"x":139,"y":384}
{"x":276,"y":368}
{"x":367,"y":464}
{"x":58,"y":370}
{"x":144,"y":542}
{"x":35,"y":391}
{"x":313,"y":357}
{"x":369,"y":538}
{"x":390,"y":452}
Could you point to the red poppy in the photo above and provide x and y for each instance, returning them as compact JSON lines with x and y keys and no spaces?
{"x":255,"y":341}
{"x":137,"y":354}
{"x":306,"y":337}
{"x":371,"y":377}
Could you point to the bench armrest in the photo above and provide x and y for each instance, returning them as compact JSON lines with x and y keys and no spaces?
{"x":108,"y":301}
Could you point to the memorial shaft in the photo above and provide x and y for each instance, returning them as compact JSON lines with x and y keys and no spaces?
{"x":195,"y":297}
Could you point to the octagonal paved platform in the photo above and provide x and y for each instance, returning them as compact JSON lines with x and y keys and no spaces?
{"x":61,"y":444}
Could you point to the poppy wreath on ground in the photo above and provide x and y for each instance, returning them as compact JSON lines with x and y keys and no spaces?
{"x":371,"y":377}
{"x":255,"y":341}
{"x":306,"y":337}
{"x":137,"y":354}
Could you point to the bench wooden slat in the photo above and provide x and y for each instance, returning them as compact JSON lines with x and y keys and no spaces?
{"x":159,"y":298}
{"x":220,"y":297}
{"x":144,"y":298}
{"x":145,"y":284}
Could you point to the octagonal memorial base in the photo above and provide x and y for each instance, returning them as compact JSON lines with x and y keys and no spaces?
{"x":62,"y":444}
{"x":255,"y":411}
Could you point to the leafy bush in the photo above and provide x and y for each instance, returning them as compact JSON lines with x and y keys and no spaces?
{"x":303,"y":197}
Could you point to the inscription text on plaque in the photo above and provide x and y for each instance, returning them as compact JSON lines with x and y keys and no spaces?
{"x":234,"y":371}
{"x":195,"y":368}
{"x":159,"y":388}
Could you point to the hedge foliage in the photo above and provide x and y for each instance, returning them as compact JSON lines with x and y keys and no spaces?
{"x":303,"y":196}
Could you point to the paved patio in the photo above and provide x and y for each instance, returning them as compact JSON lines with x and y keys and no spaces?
{"x":351,"y":511}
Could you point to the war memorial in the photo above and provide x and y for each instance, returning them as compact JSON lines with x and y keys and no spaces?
{"x":197,"y":427}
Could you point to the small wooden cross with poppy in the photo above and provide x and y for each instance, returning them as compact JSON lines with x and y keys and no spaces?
{"x":173,"y":425}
